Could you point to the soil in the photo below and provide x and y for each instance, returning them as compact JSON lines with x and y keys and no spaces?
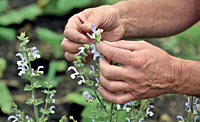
{"x":164,"y":105}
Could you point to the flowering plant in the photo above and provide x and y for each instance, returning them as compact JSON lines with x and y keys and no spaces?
{"x":105,"y":111}
{"x":27,"y":55}
{"x":192,"y":109}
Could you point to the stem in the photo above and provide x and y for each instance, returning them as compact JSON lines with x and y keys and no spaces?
{"x":111,"y":111}
{"x":35,"y":109}
{"x":117,"y":116}
{"x":46,"y":104}
{"x":100,"y":101}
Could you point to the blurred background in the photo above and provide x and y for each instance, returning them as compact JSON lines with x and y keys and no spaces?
{"x":44,"y":22}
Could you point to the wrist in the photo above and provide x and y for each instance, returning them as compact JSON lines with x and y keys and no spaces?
{"x":187,"y":80}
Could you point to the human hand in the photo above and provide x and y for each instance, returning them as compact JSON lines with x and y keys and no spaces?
{"x":146,"y":71}
{"x":104,"y":17}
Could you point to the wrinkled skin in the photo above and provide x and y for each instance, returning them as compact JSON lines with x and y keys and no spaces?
{"x":79,"y":24}
{"x":146,"y":71}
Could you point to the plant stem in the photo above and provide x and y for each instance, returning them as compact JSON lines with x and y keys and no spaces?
{"x":111,"y":111}
{"x":117,"y":116}
{"x":100,"y":101}
{"x":46,"y":104}
{"x":35,"y":109}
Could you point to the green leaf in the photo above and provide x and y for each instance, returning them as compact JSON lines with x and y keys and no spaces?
{"x":3,"y":5}
{"x":18,"y":16}
{"x":63,"y":119}
{"x":38,"y":101}
{"x":29,"y":101}
{"x":5,"y":99}
{"x":3,"y":64}
{"x":46,"y":112}
{"x":7,"y":34}
{"x":28,"y":88}
{"x":49,"y":92}
{"x":53,"y":39}
{"x":61,"y":7}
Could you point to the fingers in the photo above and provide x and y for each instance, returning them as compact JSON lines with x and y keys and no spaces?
{"x":112,"y":72}
{"x":129,"y":45}
{"x":69,"y":56}
{"x":113,"y":85}
{"x":75,"y":35}
{"x":69,"y":46}
{"x":116,"y":54}
{"x":115,"y":98}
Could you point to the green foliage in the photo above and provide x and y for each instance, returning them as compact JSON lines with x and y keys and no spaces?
{"x":51,"y":38}
{"x":7,"y":34}
{"x":110,"y":1}
{"x":3,"y":64}
{"x":61,"y":7}
{"x":185,"y":45}
{"x":54,"y":66}
{"x":5,"y":99}
{"x":19,"y":15}
{"x":91,"y":108}
{"x":3,"y":5}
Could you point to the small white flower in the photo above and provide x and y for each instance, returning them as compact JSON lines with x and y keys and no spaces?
{"x":180,"y":118}
{"x":148,"y":112}
{"x":39,"y":71}
{"x":51,"y":109}
{"x":118,"y":106}
{"x":91,"y":66}
{"x":82,"y":49}
{"x":142,"y":119}
{"x":96,"y":55}
{"x":15,"y":119}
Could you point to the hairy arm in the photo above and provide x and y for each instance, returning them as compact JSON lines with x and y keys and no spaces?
{"x":157,"y":18}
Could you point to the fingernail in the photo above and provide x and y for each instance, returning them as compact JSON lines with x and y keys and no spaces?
{"x":100,"y":89}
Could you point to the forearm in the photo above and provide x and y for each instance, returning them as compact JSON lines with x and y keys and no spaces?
{"x":188,"y":78}
{"x":157,"y":18}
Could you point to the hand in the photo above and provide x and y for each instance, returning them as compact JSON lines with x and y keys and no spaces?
{"x":104,"y":17}
{"x":146,"y":71}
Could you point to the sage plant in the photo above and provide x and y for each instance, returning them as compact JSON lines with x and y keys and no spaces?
{"x":136,"y":110}
{"x":28,"y":55}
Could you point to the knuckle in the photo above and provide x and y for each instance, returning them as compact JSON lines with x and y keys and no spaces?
{"x":119,"y":101}
{"x":62,"y":45}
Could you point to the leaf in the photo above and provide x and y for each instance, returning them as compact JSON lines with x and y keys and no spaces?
{"x":61,"y":7}
{"x":3,"y":5}
{"x":3,"y":64}
{"x":49,"y":92}
{"x":28,"y":88}
{"x":51,"y":38}
{"x":38,"y":101}
{"x":19,"y":15}
{"x":5,"y":99}
{"x":63,"y":119}
{"x":7,"y":33}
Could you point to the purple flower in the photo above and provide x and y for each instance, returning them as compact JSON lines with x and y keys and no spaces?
{"x":34,"y":52}
{"x":92,"y":68}
{"x":142,"y":119}
{"x":196,"y":118}
{"x":96,"y":55}
{"x":97,"y":80}
{"x":51,"y":97}
{"x":127,"y":119}
{"x":148,"y":112}
{"x":93,"y":28}
{"x":93,"y":48}
{"x":87,"y":96}
{"x":127,"y":106}
{"x":23,"y":68}
{"x":82,"y":49}
{"x":180,"y":118}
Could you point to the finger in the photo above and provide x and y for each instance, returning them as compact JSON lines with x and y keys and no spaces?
{"x":75,"y":35}
{"x":70,"y":46}
{"x":129,"y":45}
{"x":93,"y":18}
{"x":115,"y":98}
{"x":69,"y":56}
{"x":112,"y":72}
{"x":116,"y":54}
{"x":114,"y":86}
